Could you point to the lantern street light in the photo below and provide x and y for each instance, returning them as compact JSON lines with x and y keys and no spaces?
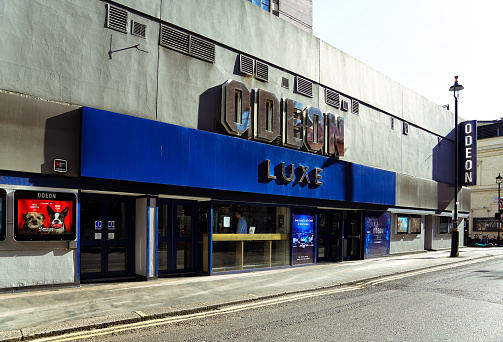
{"x":455,"y":233}
{"x":499,"y":179}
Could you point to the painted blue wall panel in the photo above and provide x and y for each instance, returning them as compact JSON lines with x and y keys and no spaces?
{"x":121,"y":147}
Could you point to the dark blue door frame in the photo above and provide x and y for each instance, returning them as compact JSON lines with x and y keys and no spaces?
{"x":178,"y":235}
{"x":112,"y":239}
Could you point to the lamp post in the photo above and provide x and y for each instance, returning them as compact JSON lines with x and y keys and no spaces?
{"x":455,"y":233}
{"x":499,"y":179}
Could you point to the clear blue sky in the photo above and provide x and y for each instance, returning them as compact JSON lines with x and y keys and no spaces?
{"x":423,"y":45}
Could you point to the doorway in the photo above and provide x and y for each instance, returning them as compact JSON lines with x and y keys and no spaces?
{"x":329,"y":236}
{"x":353,"y":228}
{"x":176,"y":237}
{"x":106,"y":232}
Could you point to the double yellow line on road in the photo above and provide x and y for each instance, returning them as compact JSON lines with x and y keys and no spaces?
{"x":245,"y":306}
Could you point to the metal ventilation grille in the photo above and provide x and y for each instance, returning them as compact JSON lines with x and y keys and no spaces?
{"x":138,"y":29}
{"x":304,"y":87}
{"x":202,"y":49}
{"x":285,"y":83}
{"x":332,"y":98}
{"x":246,"y":65}
{"x":174,"y":39}
{"x":262,"y":72}
{"x":117,"y":18}
{"x":355,"y":107}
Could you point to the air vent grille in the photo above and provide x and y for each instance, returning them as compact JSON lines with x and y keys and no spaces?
{"x":202,"y":49}
{"x":332,"y":98}
{"x":285,"y":83}
{"x":304,"y":87}
{"x":405,"y":128}
{"x":138,"y":29}
{"x":174,"y":39}
{"x":117,"y":19}
{"x":246,"y":65}
{"x":262,"y":72}
{"x":355,"y":107}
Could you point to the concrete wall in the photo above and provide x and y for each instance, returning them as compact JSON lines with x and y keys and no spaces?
{"x":401,"y":243}
{"x":34,"y":263}
{"x":34,"y":132}
{"x":101,"y":68}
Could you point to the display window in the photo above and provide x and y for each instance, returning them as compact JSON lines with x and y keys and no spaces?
{"x":402,"y":226}
{"x":415,"y":224}
{"x":249,"y":237}
{"x":44,"y":216}
{"x":3,"y":200}
{"x":377,"y":234}
{"x":303,"y":238}
{"x":444,"y":225}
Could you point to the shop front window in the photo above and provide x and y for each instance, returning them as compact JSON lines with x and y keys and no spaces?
{"x":248,"y":237}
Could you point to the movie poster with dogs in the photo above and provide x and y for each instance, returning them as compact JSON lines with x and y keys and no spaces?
{"x":42,"y":216}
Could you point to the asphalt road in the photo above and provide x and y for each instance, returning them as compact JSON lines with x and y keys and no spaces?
{"x":455,"y":304}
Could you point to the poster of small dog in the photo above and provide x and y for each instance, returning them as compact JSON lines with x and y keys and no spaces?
{"x":44,"y":217}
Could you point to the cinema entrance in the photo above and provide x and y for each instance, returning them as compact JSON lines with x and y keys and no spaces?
{"x":329,"y":236}
{"x":339,"y":235}
{"x":177,"y":223}
{"x":106,"y":236}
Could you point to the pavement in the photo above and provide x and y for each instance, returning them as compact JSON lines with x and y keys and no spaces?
{"x":26,"y":315}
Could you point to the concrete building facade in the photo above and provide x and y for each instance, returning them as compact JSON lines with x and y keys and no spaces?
{"x":169,"y":121}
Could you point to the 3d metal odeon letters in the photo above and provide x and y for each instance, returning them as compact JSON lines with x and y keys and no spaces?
{"x":298,"y":127}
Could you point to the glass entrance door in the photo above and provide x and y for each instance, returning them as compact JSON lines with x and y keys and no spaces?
{"x":176,"y":237}
{"x":353,"y":228}
{"x":106,"y":237}
{"x":329,"y":236}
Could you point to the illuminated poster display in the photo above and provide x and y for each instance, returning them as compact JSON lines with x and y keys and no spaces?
{"x":43,"y":216}
{"x":377,"y":234}
{"x":415,"y":225}
{"x":303,"y":239}
{"x":2,"y":214}
{"x":402,"y":226}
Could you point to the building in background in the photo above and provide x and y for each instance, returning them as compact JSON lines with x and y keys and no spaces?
{"x":484,"y":196}
{"x":296,"y":12}
{"x":137,"y":136}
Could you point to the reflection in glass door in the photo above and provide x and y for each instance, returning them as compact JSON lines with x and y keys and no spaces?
{"x":176,"y":237}
{"x":106,"y":237}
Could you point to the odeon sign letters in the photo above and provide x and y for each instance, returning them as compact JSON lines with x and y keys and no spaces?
{"x":266,"y":118}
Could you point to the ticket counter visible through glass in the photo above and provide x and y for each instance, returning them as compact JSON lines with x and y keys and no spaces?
{"x":248,"y":237}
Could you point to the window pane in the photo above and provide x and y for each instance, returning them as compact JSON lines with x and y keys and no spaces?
{"x":163,"y":218}
{"x":235,"y":249}
{"x":184,"y":220}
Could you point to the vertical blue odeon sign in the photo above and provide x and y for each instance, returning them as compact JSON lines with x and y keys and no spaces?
{"x":127,"y":148}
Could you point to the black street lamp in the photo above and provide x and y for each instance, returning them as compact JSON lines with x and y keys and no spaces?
{"x":499,"y":179}
{"x":455,"y":233}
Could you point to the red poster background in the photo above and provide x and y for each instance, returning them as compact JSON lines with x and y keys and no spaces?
{"x":40,"y":206}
